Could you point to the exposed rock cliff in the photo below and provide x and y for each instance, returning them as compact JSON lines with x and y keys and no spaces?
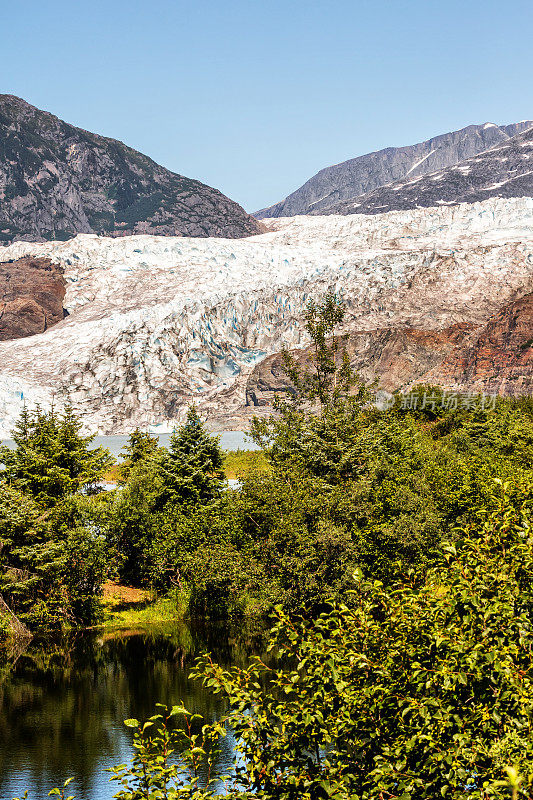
{"x":57,"y":180}
{"x":495,"y":358}
{"x":31,"y":297}
{"x":346,"y":181}
{"x":396,"y":357}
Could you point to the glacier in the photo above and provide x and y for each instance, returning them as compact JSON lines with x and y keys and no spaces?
{"x":156,"y":323}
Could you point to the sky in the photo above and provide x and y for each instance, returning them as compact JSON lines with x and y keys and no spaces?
{"x":255,"y":97}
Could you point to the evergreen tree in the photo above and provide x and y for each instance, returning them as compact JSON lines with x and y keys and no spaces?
{"x":52,"y":459}
{"x":52,"y":565}
{"x":329,"y":379}
{"x":329,"y":442}
{"x":141,"y":445}
{"x":50,"y":572}
{"x":160,"y":484}
{"x":192,"y":470}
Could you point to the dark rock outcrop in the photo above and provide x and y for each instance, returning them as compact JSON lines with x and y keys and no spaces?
{"x":346,"y":181}
{"x":498,"y":358}
{"x":57,"y":180}
{"x":31,"y":297}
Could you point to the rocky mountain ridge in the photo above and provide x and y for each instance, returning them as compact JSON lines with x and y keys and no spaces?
{"x":503,"y":171}
{"x":57,"y":180}
{"x":158,"y":322}
{"x":344,"y":182}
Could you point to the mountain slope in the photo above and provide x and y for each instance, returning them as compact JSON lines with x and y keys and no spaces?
{"x":57,"y":180}
{"x":503,"y":171}
{"x":348,"y":180}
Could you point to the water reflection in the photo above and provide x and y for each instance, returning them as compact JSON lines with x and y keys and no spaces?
{"x":62,"y":703}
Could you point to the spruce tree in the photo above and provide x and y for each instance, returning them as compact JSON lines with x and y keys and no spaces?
{"x":317,"y":428}
{"x":328,"y":378}
{"x":52,"y":565}
{"x":192,"y":470}
{"x":52,"y":459}
{"x":141,"y":446}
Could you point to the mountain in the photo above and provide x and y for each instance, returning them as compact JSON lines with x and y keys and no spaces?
{"x":57,"y":180}
{"x":505,"y":170}
{"x":346,"y":181}
{"x":157,"y":323}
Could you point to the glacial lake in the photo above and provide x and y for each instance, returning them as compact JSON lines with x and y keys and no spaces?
{"x":63,"y":702}
{"x":229,"y":440}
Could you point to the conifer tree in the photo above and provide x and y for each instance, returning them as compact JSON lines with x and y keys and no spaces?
{"x":141,"y":446}
{"x":192,"y":471}
{"x":317,"y":428}
{"x":51,"y":565}
{"x":52,"y":459}
{"x":328,"y":379}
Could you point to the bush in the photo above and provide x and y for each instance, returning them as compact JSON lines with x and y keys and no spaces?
{"x":412,"y":692}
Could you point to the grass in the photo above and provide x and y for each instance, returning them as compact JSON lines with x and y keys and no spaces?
{"x":127,"y":607}
{"x":237,"y":464}
{"x":112,"y":474}
{"x":240,"y":463}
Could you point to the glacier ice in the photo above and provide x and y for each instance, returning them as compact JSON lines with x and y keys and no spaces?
{"x":155,"y":322}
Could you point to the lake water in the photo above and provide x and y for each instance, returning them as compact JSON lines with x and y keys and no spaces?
{"x":229,"y":440}
{"x":63,"y":702}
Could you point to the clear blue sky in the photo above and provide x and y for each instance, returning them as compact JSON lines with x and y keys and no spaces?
{"x":255,"y":97}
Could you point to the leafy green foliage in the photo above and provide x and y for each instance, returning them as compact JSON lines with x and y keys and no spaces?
{"x":345,"y":486}
{"x":200,"y":550}
{"x":398,"y":548}
{"x":153,"y":774}
{"x":161,"y":485}
{"x":415,"y":691}
{"x":51,"y":565}
{"x":130,"y":518}
{"x":421,"y":689}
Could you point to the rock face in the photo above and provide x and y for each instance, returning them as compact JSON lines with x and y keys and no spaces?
{"x":57,"y":180}
{"x":31,"y":297}
{"x":396,"y":357}
{"x":504,"y":171}
{"x":158,"y":322}
{"x":495,"y":358}
{"x":345,"y":182}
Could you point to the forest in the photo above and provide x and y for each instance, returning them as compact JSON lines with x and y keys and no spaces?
{"x":388,"y":547}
